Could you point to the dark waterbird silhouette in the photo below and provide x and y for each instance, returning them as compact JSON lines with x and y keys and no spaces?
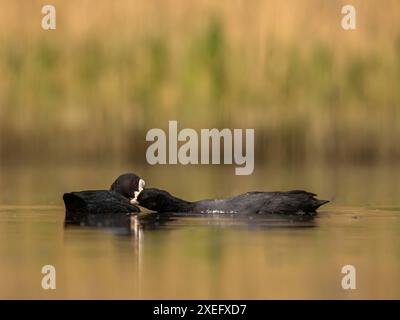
{"x":296,"y":202}
{"x":121,"y":198}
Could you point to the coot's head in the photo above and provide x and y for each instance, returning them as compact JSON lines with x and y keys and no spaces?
{"x":129,"y":185}
{"x":153,"y":199}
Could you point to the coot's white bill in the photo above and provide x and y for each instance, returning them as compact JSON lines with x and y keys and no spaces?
{"x":136,"y":193}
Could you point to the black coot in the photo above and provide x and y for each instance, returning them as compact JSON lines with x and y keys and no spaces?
{"x":291,"y":202}
{"x":121,"y":198}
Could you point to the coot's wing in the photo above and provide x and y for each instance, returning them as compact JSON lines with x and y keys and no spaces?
{"x":97,"y":201}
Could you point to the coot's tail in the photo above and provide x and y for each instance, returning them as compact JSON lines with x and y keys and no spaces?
{"x":73,"y":202}
{"x":319,"y":203}
{"x":308,"y":200}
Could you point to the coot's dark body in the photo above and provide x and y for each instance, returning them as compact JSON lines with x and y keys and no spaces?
{"x":97,"y":202}
{"x":116,"y":200}
{"x":291,"y":202}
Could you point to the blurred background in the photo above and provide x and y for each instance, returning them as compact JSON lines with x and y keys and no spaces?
{"x":76,"y":103}
{"x":91,"y":89}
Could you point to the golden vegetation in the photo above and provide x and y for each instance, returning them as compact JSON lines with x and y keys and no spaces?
{"x":114,"y":69}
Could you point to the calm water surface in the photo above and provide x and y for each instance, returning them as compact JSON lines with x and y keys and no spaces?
{"x":214,"y":256}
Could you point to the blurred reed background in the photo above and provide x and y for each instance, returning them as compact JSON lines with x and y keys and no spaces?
{"x":112,"y":70}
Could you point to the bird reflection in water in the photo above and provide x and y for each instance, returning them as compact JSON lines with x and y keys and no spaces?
{"x":135,"y":225}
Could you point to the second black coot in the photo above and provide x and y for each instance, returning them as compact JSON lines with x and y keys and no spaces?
{"x":290,"y":202}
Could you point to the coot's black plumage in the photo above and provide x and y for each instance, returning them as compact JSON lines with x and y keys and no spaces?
{"x":121,"y":198}
{"x":291,"y":202}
